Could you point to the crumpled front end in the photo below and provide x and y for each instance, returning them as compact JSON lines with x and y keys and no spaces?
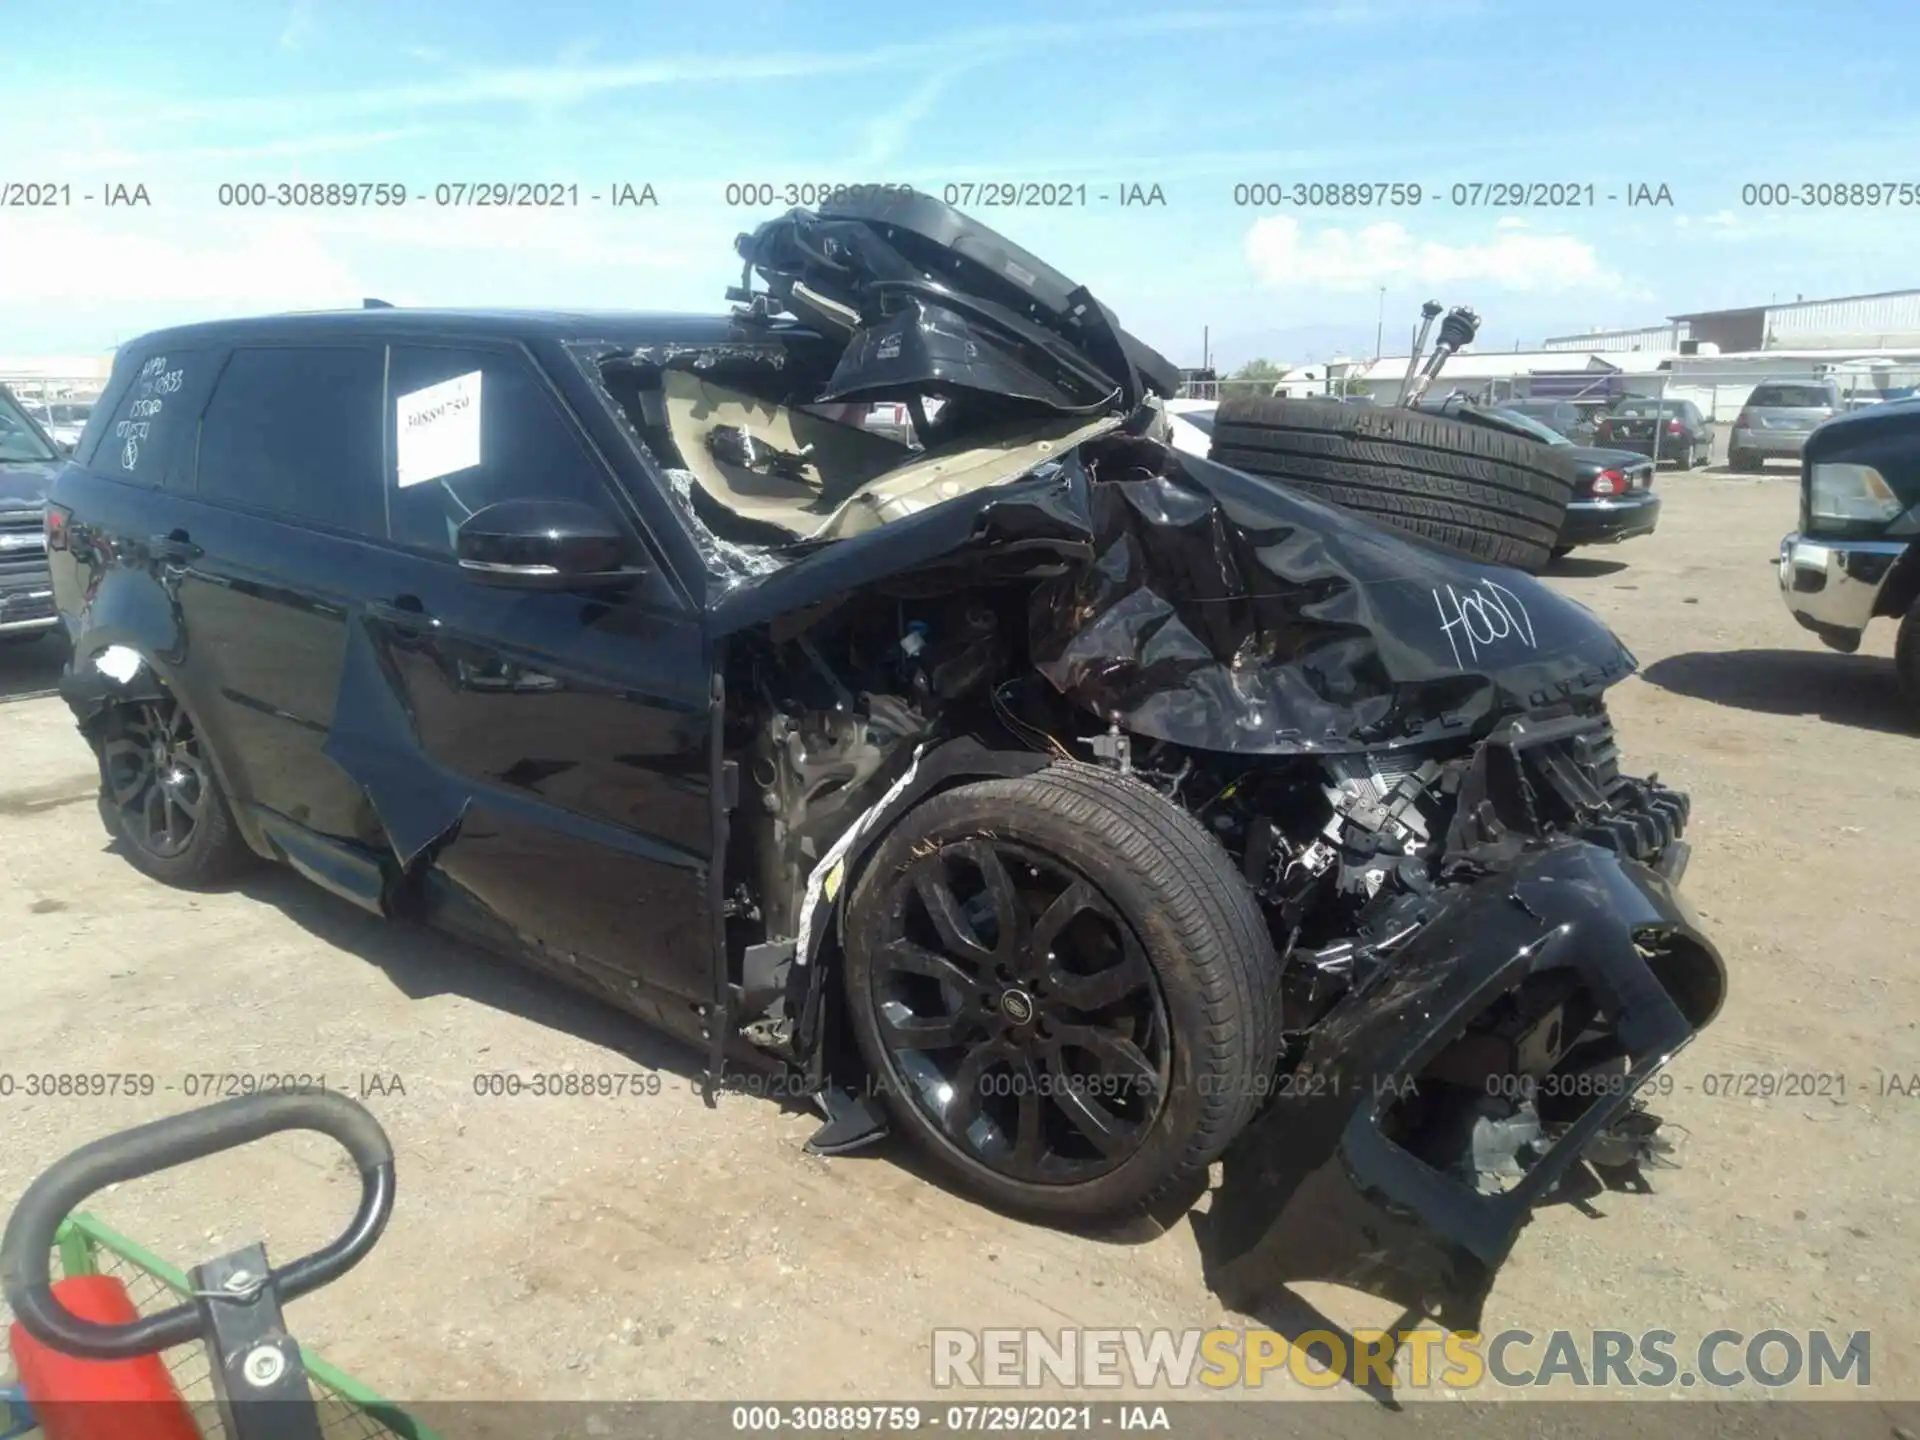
{"x":1496,"y":1047}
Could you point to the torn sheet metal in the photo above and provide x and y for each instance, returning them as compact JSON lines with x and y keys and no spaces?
{"x":1227,"y":612}
{"x":372,"y":739}
{"x":1223,"y":611}
{"x":1315,"y":1189}
{"x":1014,"y":328}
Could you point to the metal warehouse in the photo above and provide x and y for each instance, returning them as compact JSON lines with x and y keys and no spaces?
{"x":1886,"y":320}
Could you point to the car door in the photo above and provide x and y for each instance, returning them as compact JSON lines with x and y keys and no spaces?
{"x":1699,"y":430}
{"x":548,"y":750}
{"x":279,"y":513}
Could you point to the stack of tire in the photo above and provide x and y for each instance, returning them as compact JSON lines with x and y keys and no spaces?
{"x":1463,"y":480}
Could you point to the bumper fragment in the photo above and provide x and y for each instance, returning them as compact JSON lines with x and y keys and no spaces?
{"x":1606,"y":522}
{"x":1322,"y":1185}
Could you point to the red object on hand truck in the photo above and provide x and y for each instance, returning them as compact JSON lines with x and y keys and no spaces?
{"x":91,"y":1365}
{"x":75,"y":1399}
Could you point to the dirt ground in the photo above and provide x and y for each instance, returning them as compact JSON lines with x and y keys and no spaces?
{"x":646,"y":1247}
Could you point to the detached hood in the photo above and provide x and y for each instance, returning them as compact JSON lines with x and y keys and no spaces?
{"x":1192,"y":603}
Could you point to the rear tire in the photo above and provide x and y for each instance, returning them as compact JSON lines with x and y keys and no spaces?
{"x":1742,"y":462}
{"x":160,"y":798}
{"x":1163,"y":970}
{"x":1491,"y":494}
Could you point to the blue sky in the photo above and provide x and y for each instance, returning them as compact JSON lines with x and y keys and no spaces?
{"x":183,"y":95}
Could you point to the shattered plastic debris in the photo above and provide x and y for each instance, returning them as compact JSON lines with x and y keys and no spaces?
{"x":739,"y":563}
{"x":117,"y":662}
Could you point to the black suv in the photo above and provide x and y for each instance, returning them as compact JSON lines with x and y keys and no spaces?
{"x":1087,"y":810}
{"x":28,"y":458}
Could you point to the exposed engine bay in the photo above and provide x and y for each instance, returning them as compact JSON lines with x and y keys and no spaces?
{"x":1405,"y":757}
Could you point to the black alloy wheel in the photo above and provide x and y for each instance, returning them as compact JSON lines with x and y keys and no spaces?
{"x":1064,"y":990}
{"x":1020,"y":1013}
{"x":156,"y":777}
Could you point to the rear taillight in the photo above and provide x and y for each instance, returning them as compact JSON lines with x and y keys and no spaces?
{"x":1744,"y":420}
{"x":1609,"y":482}
{"x":57,"y":527}
{"x":1674,"y":427}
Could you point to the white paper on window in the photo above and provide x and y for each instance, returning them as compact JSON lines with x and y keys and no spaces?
{"x":437,"y":430}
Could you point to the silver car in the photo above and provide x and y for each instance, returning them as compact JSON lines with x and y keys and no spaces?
{"x":1776,"y":420}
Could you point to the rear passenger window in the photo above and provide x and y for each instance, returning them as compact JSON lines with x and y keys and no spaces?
{"x":150,"y":432}
{"x":472,"y":428}
{"x":1796,"y":397}
{"x":297,"y":432}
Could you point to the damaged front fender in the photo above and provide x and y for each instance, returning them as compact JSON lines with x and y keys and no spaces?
{"x":1322,"y":1185}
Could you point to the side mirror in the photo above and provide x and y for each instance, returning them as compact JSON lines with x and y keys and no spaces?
{"x":546,"y":545}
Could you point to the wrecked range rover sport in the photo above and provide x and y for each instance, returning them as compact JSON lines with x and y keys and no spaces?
{"x":1090,"y":811}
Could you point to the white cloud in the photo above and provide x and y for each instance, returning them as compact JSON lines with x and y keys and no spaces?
{"x":258,"y":265}
{"x":1284,"y":254}
{"x":1720,"y":220}
{"x":572,"y":81}
{"x":299,"y":26}
{"x":887,"y":133}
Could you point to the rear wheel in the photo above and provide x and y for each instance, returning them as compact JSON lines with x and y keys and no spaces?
{"x":1687,"y":459}
{"x":1065,"y":991}
{"x":1480,"y":490}
{"x":1743,"y":461}
{"x":161,"y":799}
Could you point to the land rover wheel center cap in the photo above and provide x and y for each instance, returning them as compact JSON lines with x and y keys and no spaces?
{"x":1017,"y":1006}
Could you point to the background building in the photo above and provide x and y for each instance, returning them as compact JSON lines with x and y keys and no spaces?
{"x":1665,"y":338}
{"x":1884,"y":321}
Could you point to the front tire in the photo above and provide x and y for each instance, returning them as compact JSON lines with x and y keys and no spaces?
{"x":160,"y":798}
{"x":1066,"y":994}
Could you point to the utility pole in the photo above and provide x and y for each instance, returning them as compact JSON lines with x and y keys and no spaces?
{"x":1380,"y":323}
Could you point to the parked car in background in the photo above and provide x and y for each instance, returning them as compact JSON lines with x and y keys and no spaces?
{"x":1853,"y":559}
{"x":1777,"y":419}
{"x":63,"y":420}
{"x":28,"y":458}
{"x":1563,"y":417}
{"x":1659,"y":429}
{"x":1613,"y":497}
